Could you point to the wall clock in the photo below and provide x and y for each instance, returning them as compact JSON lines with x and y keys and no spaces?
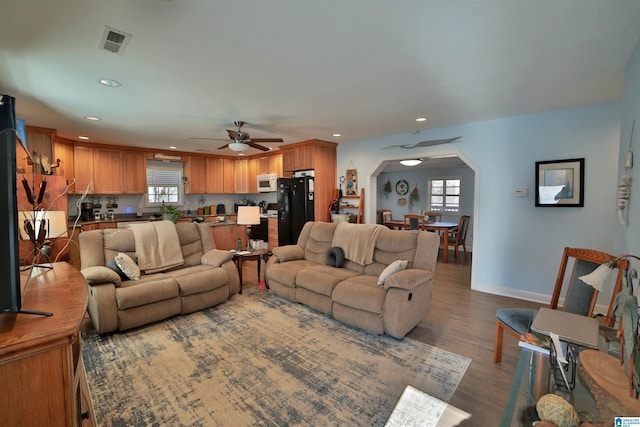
{"x":402,"y":187}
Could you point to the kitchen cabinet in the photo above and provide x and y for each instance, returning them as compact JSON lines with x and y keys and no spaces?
{"x":226,"y":236}
{"x":253,"y":175}
{"x":41,"y":369}
{"x":215,"y":175}
{"x":134,"y":165}
{"x":321,"y":157}
{"x":83,"y":169}
{"x":107,"y":171}
{"x":242,"y":176}
{"x":196,"y":172}
{"x":229,"y":170}
{"x":273,"y":232}
{"x":64,"y":152}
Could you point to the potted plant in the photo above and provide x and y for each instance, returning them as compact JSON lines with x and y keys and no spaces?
{"x":169,"y":212}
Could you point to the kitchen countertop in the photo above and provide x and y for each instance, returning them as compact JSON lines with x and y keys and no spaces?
{"x":150,"y":217}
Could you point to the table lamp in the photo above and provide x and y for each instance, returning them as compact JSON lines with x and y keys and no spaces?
{"x":248,"y":215}
{"x":52,"y":223}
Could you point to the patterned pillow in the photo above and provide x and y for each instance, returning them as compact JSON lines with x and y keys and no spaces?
{"x":113,"y":266}
{"x":128,"y":266}
{"x":394,"y":267}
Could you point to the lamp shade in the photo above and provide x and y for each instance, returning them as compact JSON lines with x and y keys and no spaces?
{"x":598,"y":276}
{"x":248,"y":215}
{"x":55,"y":223}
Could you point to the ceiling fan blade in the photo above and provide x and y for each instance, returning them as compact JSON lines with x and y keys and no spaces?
{"x":235,"y":135}
{"x":257,"y":146}
{"x":267,"y":139}
{"x":223,"y":147}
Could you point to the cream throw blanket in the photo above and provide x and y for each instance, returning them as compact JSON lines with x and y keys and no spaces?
{"x":357,"y":241}
{"x":157,"y":246}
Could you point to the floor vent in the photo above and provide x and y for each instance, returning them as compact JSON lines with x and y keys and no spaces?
{"x":114,"y":40}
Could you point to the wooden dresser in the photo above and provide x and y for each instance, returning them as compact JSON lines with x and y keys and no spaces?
{"x":42,"y":379}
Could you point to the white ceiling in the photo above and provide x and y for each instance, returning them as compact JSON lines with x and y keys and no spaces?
{"x":302,"y":69}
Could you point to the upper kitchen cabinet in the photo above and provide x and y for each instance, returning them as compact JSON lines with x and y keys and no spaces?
{"x":229,"y":170}
{"x":242,"y":176}
{"x":107,"y":171}
{"x":64,"y":152}
{"x":83,"y":169}
{"x":195,"y":169}
{"x":269,"y":164}
{"x":215,"y":175}
{"x":135,"y":172}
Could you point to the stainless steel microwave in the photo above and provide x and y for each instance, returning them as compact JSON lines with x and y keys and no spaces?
{"x":267,"y":183}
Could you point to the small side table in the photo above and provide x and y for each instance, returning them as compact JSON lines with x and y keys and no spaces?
{"x":258,"y":255}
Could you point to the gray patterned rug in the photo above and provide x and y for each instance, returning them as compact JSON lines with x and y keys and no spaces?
{"x":258,"y":360}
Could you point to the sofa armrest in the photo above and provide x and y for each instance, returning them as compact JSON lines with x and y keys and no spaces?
{"x":216,"y":257}
{"x":408,"y":279}
{"x":288,"y":253}
{"x":99,"y":274}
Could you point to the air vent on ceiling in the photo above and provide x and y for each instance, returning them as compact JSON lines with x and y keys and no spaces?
{"x":114,"y":40}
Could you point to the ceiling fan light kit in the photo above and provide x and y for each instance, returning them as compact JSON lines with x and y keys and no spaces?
{"x":237,"y":146}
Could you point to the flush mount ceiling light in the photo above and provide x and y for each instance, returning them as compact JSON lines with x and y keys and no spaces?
{"x":411,"y":162}
{"x":109,"y":82}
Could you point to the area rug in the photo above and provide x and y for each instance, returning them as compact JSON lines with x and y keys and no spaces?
{"x":258,"y":360}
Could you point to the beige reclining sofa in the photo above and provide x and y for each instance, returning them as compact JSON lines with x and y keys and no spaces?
{"x":351,"y":293}
{"x":200,"y":277}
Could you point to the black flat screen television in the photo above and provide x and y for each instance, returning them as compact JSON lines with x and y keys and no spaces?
{"x":12,"y":283}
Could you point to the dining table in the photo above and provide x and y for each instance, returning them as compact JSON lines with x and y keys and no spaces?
{"x":445,"y":227}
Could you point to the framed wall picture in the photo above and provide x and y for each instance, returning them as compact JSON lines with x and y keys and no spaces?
{"x":560,"y":183}
{"x":352,"y":182}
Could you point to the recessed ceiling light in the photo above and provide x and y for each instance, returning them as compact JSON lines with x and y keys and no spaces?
{"x":110,"y":82}
{"x":83,"y":137}
{"x":173,"y":147}
{"x":411,"y":162}
{"x":93,"y":118}
{"x":337,"y":134}
{"x":421,"y":119}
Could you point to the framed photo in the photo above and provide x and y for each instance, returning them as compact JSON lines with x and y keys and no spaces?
{"x":560,"y":183}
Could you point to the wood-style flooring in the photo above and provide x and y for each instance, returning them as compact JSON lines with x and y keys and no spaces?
{"x":463,"y":321}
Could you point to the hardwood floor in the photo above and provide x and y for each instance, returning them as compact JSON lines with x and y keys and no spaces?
{"x":463,"y":321}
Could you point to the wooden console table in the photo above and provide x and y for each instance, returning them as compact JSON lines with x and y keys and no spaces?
{"x":42,"y":379}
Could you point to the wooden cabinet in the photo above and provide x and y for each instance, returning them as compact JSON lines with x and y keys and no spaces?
{"x":196,"y":172}
{"x":41,"y":370}
{"x":253,"y":175}
{"x":83,"y":169}
{"x":134,"y":166}
{"x":242,"y":176}
{"x":321,"y":157}
{"x":272,"y":223}
{"x":215,"y":175}
{"x":229,"y":170}
{"x":107,"y":171}
{"x":64,"y":152}
{"x":226,"y":236}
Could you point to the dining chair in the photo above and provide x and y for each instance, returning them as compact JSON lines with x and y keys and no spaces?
{"x":412,"y":221}
{"x":433,"y":216}
{"x":579,"y":298}
{"x":459,"y":237}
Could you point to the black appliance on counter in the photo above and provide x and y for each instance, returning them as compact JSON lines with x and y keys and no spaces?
{"x":295,"y":207}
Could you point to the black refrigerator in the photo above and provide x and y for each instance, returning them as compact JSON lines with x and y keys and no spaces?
{"x":295,"y":207}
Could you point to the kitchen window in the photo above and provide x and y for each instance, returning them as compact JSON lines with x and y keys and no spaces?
{"x":444,"y":194}
{"x":164,"y":184}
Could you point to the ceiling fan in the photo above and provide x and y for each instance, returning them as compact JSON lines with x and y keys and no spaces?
{"x":423,"y":143}
{"x":241,"y":141}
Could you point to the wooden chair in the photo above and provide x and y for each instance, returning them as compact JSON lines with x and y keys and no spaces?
{"x":459,"y":237}
{"x":433,"y":216}
{"x":579,"y":297}
{"x":412,"y":221}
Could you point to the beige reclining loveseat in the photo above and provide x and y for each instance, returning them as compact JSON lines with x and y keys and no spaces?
{"x":206,"y":277}
{"x":351,"y":293}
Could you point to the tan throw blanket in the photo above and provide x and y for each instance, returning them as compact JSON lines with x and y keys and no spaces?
{"x":357,"y":241}
{"x":157,"y":246}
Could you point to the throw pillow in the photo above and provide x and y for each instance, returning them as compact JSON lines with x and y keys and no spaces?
{"x":113,"y":266}
{"x":335,"y":257}
{"x":128,"y":266}
{"x":394,"y":267}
